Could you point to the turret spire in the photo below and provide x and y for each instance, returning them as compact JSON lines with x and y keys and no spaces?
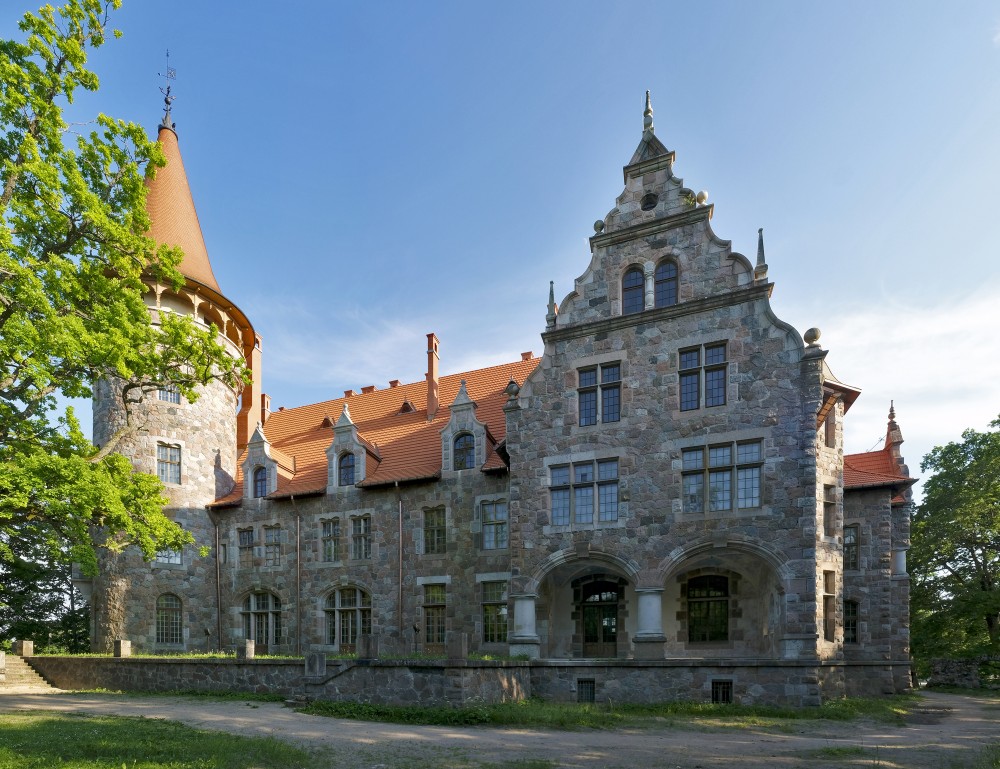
{"x":168,"y":99}
{"x":647,"y":116}
{"x":760,"y":271}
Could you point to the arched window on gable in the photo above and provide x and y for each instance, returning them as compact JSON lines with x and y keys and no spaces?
{"x":633,"y":291}
{"x":464,"y":457}
{"x":260,"y":482}
{"x":345,"y":470}
{"x":665,"y":284}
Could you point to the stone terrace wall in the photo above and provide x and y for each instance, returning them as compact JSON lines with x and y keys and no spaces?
{"x":164,"y":675}
{"x":400,"y":682}
{"x":792,"y":683}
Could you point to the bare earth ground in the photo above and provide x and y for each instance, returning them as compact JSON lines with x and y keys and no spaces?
{"x":946,"y":732}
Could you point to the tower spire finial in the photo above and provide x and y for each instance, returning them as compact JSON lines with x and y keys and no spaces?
{"x":647,"y":115}
{"x":168,"y":99}
{"x":760,"y":271}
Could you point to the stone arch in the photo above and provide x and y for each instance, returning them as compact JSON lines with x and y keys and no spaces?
{"x":627,"y":569}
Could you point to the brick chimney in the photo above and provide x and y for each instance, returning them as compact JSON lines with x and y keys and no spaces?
{"x":432,"y":375}
{"x":265,"y":407}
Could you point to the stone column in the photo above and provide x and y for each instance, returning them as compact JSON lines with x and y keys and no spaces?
{"x":649,"y":638}
{"x":525,"y":638}
{"x":24,"y":648}
{"x":650,"y":286}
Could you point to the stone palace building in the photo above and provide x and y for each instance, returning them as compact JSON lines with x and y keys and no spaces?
{"x":665,"y":486}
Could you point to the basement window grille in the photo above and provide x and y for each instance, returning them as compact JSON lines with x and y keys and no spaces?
{"x":722,"y":692}
{"x":586,"y":690}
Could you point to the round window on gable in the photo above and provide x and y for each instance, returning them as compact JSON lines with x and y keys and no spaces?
{"x":649,"y":201}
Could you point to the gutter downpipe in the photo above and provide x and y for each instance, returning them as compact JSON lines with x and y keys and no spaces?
{"x":399,"y":580}
{"x":218,"y":582}
{"x":298,"y":578}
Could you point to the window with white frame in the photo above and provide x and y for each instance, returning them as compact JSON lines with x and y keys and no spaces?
{"x":434,"y":606}
{"x":493,"y":516}
{"x":169,"y":556}
{"x":245,"y":542}
{"x":600,"y":393}
{"x":495,"y":612}
{"x":272,"y":545}
{"x":348,"y":615}
{"x":435,"y":531}
{"x":716,"y":477}
{"x":361,"y":538}
{"x":169,"y":620}
{"x":262,"y":618}
{"x":578,"y":490}
{"x":168,"y":463}
{"x":331,"y":540}
{"x":169,"y":394}
{"x":703,"y":376}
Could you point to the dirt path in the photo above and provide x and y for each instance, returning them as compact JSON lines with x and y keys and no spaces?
{"x":946,"y":732}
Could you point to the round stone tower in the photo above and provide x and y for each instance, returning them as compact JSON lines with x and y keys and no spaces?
{"x":171,"y":604}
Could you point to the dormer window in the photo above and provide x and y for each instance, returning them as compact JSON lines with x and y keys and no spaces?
{"x":465,"y":452}
{"x":633,"y":290}
{"x":260,"y":482}
{"x":345,"y":470}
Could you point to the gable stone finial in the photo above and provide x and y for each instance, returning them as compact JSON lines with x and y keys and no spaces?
{"x":760,"y":271}
{"x":550,"y":316}
{"x":647,"y":116}
{"x":345,"y":417}
{"x":168,"y":99}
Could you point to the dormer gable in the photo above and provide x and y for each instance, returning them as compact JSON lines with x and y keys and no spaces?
{"x":464,"y":439}
{"x":349,"y":455}
{"x":262,"y":466}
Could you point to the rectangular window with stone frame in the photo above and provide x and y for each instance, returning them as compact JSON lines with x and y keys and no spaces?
{"x":600,"y":386}
{"x":168,"y":463}
{"x":829,"y":511}
{"x":702,"y":376}
{"x":495,"y":612}
{"x":852,"y":547}
{"x":272,"y":545}
{"x":245,"y":542}
{"x":493,"y":516}
{"x":361,"y":538}
{"x":829,"y":606}
{"x":435,"y":531}
{"x":435,"y":596}
{"x":710,"y":474}
{"x":331,"y":540}
{"x":576,"y":489}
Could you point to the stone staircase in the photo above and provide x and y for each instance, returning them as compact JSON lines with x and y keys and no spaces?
{"x":21,"y":678}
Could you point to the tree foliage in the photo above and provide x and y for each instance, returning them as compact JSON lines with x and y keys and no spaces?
{"x":73,"y":257}
{"x":955,"y":552}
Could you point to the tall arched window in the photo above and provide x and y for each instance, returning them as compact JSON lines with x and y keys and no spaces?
{"x":465,"y":452}
{"x":262,"y":619}
{"x":348,"y":615}
{"x":665,"y":284}
{"x":345,"y":470}
{"x":260,"y":482}
{"x":169,"y":620}
{"x":633,"y":292}
{"x":708,"y":608}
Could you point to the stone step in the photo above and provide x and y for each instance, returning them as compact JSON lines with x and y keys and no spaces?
{"x":20,"y":675}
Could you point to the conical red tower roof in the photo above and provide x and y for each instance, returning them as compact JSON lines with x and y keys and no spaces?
{"x":173,"y":218}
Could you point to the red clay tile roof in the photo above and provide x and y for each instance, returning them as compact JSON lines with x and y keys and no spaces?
{"x":409,"y":445}
{"x":872,"y":469}
{"x":173,"y":218}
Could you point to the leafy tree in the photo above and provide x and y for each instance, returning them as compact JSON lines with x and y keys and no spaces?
{"x":955,"y":552}
{"x":38,"y":601}
{"x":73,"y":256}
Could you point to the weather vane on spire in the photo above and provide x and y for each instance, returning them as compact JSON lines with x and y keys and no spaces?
{"x":168,"y":99}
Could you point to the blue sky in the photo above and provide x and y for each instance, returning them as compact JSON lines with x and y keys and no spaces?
{"x":368,"y":172}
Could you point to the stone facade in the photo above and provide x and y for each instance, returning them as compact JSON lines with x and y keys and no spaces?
{"x":664,"y":491}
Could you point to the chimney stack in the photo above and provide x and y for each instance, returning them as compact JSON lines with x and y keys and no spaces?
{"x":265,"y":407}
{"x":432,"y":375}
